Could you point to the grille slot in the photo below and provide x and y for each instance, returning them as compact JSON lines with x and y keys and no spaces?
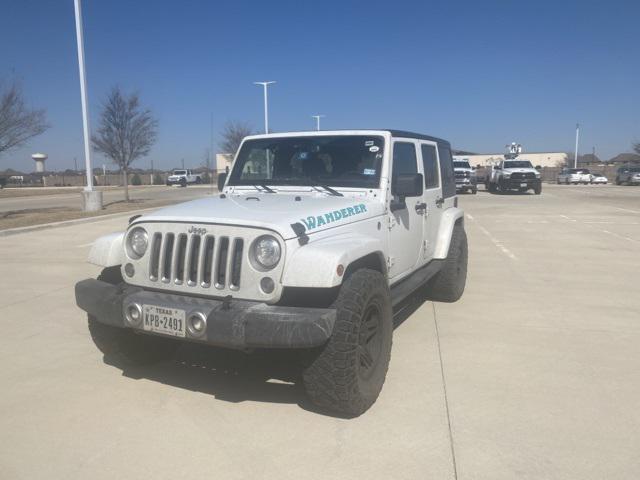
{"x":154,"y":261}
{"x":166,"y":255}
{"x":220,"y":268}
{"x":188,"y":260}
{"x":206,"y":267}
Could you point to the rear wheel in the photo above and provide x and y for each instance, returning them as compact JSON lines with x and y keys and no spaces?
{"x":448,"y":284}
{"x":347,"y":374}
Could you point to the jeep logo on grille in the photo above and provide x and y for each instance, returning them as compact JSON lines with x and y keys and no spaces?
{"x":197,"y":230}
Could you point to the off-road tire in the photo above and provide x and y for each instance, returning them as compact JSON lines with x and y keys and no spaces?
{"x":448,"y":284}
{"x":537,"y":189}
{"x":493,"y":188}
{"x":347,"y":374}
{"x":474,"y":190}
{"x":123,"y":346}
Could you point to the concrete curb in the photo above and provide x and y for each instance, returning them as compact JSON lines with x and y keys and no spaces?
{"x":67,"y":223}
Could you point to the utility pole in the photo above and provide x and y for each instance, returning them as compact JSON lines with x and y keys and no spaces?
{"x":575,"y":156}
{"x":92,"y":200}
{"x":317,"y":117}
{"x":75,"y":163}
{"x":266,"y":103}
{"x":183,"y":163}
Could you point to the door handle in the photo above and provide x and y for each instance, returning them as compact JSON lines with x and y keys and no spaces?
{"x":421,"y":207}
{"x":439,"y":202}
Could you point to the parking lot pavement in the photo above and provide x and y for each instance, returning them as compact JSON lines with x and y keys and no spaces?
{"x":539,"y":373}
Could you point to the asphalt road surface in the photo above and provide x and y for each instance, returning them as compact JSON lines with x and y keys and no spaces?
{"x":533,"y":374}
{"x":72,"y":200}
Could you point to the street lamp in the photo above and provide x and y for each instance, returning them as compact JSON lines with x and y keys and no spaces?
{"x":318,"y":117}
{"x":92,"y":199}
{"x":575,"y":155}
{"x":266,"y":104}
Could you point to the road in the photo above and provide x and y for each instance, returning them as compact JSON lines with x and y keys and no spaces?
{"x":72,"y":200}
{"x":533,"y":374}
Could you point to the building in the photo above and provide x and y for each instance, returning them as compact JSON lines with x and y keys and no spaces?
{"x":223,"y":161}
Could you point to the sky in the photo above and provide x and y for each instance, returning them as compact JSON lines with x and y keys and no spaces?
{"x":479,"y":74}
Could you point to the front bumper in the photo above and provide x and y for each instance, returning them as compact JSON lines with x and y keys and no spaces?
{"x":513,"y":183}
{"x":232,"y":324}
{"x":176,"y":181}
{"x":466,"y":183}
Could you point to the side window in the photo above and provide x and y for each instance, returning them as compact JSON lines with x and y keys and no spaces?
{"x":430,"y":162}
{"x":446,"y":171}
{"x":404,"y":158}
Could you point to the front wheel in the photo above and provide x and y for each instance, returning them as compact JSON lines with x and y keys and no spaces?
{"x":347,"y":374}
{"x":537,"y":189}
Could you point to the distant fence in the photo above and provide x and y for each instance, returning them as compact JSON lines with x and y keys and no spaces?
{"x":111,"y":179}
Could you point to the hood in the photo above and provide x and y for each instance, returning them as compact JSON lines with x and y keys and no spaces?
{"x":274,"y":211}
{"x":461,"y":170}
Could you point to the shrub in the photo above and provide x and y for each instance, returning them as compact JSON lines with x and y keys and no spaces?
{"x":136,"y":180}
{"x":157,"y":179}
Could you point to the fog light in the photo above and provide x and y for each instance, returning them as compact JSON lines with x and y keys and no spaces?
{"x":133,"y":314}
{"x":197,"y":324}
{"x":267,"y":285}
{"x":129,"y":269}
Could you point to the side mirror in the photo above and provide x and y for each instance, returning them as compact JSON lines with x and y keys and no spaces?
{"x":497,"y":167}
{"x":538,"y":167}
{"x":222,"y":177}
{"x":407,"y":185}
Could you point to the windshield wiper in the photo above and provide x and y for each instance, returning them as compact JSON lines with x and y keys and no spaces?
{"x":267,"y":188}
{"x":314,"y":183}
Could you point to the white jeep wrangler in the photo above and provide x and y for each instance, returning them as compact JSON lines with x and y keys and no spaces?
{"x":316,"y":238}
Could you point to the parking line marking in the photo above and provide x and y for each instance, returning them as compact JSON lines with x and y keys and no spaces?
{"x":469,"y":216}
{"x":498,"y":243}
{"x":626,"y":210}
{"x":621,"y":236}
{"x":84,"y":245}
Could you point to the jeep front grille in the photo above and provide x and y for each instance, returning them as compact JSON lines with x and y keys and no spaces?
{"x":195,"y":260}
{"x":523,"y":176}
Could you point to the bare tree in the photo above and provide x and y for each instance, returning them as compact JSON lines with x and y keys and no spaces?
{"x":126,"y":131}
{"x":232,"y":134}
{"x":18,"y":123}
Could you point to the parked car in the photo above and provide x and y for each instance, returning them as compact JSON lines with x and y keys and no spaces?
{"x":621,"y":172}
{"x":574,"y":176}
{"x":508,"y":175}
{"x":465,"y":177}
{"x":631,"y":176}
{"x":598,"y":178}
{"x":314,"y":252}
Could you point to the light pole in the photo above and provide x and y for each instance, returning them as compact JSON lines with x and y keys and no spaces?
{"x":575,"y":155}
{"x":318,"y":117}
{"x":266,"y":104}
{"x":92,"y":200}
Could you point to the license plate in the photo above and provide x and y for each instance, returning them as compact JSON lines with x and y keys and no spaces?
{"x":523,"y":184}
{"x":168,"y":321}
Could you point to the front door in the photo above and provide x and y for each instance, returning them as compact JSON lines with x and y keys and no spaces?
{"x":432,"y":197}
{"x":406,"y":223}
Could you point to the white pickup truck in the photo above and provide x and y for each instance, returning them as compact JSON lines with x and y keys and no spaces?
{"x":513,"y":174}
{"x":184,"y":178}
{"x":313,"y":243}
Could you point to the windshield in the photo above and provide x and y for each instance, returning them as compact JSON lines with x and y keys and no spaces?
{"x":179,"y":172}
{"x":634,"y":169}
{"x":518,"y":164}
{"x":578,"y":170}
{"x":461,"y":164}
{"x":337,"y":160}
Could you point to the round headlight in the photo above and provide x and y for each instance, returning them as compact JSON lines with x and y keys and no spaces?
{"x":138,"y":242}
{"x":266,"y":251}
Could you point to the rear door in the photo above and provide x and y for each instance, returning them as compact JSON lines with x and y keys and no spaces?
{"x":431,"y":196}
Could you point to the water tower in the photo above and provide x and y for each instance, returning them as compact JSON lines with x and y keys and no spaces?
{"x":39,"y":158}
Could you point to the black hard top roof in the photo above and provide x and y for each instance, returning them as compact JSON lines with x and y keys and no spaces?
{"x":420,"y":136}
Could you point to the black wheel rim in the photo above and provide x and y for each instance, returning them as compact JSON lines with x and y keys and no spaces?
{"x":369,"y":341}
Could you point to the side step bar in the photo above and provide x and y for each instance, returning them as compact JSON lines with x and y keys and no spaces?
{"x":405,"y":287}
